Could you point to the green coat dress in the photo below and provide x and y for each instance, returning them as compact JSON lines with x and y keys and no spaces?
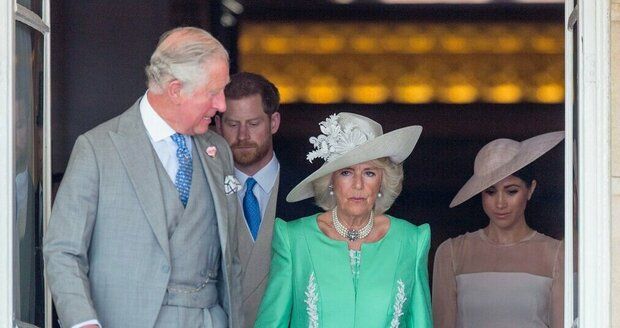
{"x":311,"y":283}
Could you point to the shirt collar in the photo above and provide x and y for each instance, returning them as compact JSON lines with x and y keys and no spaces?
{"x":265,"y":177}
{"x":156,"y":127}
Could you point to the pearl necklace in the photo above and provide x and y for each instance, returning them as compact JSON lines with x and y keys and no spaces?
{"x":352,"y":234}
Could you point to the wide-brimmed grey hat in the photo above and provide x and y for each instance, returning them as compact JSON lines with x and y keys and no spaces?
{"x":502,"y":157}
{"x":348,"y":139}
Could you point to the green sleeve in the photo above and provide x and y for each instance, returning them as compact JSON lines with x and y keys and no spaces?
{"x":421,"y":314}
{"x":275,"y":308}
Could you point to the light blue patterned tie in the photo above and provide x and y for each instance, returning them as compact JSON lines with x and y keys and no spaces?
{"x":251,"y":209}
{"x":183,"y":179}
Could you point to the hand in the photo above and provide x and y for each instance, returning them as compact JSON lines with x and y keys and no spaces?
{"x":91,"y":326}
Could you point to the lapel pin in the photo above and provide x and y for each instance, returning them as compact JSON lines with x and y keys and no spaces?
{"x":211,"y":151}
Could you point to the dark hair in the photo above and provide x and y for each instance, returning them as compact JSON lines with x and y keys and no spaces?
{"x":245,"y":84}
{"x":526,"y":174}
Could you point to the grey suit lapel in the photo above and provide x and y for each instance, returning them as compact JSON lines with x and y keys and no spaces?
{"x":260,"y":254}
{"x":215,"y":176}
{"x":136,"y":153}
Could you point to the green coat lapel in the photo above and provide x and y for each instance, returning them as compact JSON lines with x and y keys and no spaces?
{"x":379,"y":269}
{"x":330,"y":263}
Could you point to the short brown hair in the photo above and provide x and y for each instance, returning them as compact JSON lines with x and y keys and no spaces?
{"x":245,"y":84}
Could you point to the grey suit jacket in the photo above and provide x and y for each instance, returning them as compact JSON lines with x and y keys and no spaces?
{"x":256,"y":257}
{"x":106,"y":248}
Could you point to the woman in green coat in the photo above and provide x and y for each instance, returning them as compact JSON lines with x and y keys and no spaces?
{"x":352,"y":265}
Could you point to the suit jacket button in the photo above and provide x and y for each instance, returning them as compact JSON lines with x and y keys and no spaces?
{"x":165,"y":269}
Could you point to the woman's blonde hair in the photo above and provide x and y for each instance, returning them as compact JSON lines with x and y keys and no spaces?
{"x":391,"y":186}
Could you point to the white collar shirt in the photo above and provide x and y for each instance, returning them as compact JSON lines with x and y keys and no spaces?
{"x":159,"y":133}
{"x":265,"y":181}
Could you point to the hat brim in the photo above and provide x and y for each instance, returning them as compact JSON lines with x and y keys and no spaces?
{"x":530,"y":150}
{"x":397,"y":145}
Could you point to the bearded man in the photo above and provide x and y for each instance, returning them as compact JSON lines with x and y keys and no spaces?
{"x":248,"y":125}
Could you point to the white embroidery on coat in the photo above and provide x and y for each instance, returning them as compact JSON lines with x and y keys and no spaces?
{"x":399,"y":301}
{"x":312,"y":297}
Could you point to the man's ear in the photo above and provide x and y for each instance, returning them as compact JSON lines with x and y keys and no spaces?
{"x":275,"y":122}
{"x":174,"y":91}
{"x":218,"y":123}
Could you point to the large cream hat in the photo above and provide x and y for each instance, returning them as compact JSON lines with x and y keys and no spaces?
{"x":348,"y":139}
{"x":502,"y":157}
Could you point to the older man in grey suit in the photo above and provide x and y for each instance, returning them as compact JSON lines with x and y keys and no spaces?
{"x":143,"y":232}
{"x":249,"y":124}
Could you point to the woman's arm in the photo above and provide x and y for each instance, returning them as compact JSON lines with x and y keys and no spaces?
{"x":275,"y":308}
{"x":557,"y":289}
{"x":421,"y":316}
{"x":444,"y":287}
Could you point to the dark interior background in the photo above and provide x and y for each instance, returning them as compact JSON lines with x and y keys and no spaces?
{"x":100,"y":49}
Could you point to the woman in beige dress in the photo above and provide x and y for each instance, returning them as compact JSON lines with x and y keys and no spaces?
{"x":506,"y":274}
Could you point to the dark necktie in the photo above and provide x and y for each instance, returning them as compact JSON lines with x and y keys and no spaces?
{"x":183,"y":179}
{"x":251,"y":209}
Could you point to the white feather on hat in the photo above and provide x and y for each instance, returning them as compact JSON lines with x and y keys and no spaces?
{"x":349,"y":139}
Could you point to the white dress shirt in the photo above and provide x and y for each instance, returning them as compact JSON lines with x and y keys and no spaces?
{"x":265,"y":180}
{"x":159,"y":133}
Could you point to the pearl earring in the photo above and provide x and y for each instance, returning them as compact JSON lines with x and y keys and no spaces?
{"x":331,"y":190}
{"x":379,"y":194}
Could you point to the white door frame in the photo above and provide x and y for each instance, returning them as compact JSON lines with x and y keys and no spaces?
{"x":593,"y":146}
{"x":7,"y":23}
{"x":568,"y":164}
{"x":10,"y":13}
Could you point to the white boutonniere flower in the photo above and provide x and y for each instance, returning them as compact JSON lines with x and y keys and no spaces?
{"x":231,"y":185}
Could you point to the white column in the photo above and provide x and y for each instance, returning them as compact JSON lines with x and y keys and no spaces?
{"x":569,"y":55}
{"x":594,"y":164}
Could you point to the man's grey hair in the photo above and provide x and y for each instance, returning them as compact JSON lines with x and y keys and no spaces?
{"x":182,"y":54}
{"x":391,"y":186}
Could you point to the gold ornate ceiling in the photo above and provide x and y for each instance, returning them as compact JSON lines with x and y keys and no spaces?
{"x":371,"y":63}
